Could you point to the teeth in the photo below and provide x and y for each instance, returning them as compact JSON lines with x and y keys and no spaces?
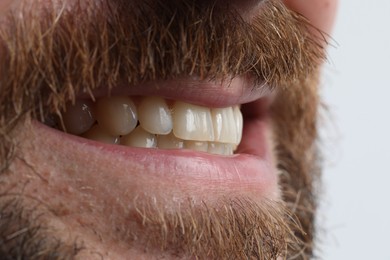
{"x":239,"y":123}
{"x":154,"y":116}
{"x":225,"y":129}
{"x":98,"y":134}
{"x":229,"y":150}
{"x":114,"y":120}
{"x":169,"y":142}
{"x":196,"y":146}
{"x":140,"y":138}
{"x":220,"y":148}
{"x":191,"y":122}
{"x":78,"y":118}
{"x":117,"y":115}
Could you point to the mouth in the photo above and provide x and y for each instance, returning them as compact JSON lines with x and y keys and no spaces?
{"x":213,"y":134}
{"x":163,"y":127}
{"x":236,"y":152}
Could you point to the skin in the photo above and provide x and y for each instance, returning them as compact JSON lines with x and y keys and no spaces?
{"x":321,"y":13}
{"x":89,"y":191}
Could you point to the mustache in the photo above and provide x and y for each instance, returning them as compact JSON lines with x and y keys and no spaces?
{"x":52,"y":53}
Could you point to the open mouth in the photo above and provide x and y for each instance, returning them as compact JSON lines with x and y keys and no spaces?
{"x":192,"y":136}
{"x":154,"y":122}
{"x":170,"y":119}
{"x":179,"y":131}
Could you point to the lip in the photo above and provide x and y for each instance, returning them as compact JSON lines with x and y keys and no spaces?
{"x":251,"y":171}
{"x":242,"y":173}
{"x":239,"y":90}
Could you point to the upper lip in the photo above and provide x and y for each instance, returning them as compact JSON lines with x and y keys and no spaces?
{"x":210,"y":93}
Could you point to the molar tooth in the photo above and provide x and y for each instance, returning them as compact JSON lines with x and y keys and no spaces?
{"x":98,"y":134}
{"x":192,"y":122}
{"x":169,"y":142}
{"x":196,"y":146}
{"x":225,"y":129}
{"x":154,"y":115}
{"x":117,"y":115}
{"x":238,"y":119}
{"x":139,"y":138}
{"x":78,"y":118}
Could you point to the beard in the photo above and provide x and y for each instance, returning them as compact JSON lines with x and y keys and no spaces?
{"x":56,"y":52}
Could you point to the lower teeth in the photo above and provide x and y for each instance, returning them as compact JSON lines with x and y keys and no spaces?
{"x":116,"y":120}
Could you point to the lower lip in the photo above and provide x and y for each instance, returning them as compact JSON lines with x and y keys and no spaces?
{"x":244,"y":173}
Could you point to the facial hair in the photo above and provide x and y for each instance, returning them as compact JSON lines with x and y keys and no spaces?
{"x":58,"y":51}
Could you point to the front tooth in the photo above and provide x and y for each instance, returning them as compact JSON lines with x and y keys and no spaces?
{"x":98,"y":134}
{"x":169,"y":142}
{"x":154,"y":115}
{"x":117,"y":115}
{"x":225,"y":129}
{"x":239,"y":123}
{"x":139,"y":138}
{"x":78,"y":118}
{"x":191,"y":122}
{"x":196,"y":146}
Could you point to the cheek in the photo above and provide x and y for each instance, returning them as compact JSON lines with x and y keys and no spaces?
{"x":321,"y":13}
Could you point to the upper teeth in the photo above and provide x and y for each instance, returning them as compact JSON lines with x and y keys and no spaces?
{"x":162,"y":124}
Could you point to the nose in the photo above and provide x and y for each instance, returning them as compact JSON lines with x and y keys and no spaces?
{"x":320,"y":13}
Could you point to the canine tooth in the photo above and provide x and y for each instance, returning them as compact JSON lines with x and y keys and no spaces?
{"x":139,"y":138}
{"x":225,"y":129}
{"x":117,"y":115}
{"x":98,"y":134}
{"x":169,"y":142}
{"x":154,"y":115}
{"x":196,"y":146}
{"x":238,"y":119}
{"x":192,"y":122}
{"x":78,"y":118}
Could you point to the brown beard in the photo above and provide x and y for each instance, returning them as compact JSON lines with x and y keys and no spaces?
{"x":52,"y":54}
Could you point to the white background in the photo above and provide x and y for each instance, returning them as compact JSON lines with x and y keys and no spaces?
{"x":355,"y":212}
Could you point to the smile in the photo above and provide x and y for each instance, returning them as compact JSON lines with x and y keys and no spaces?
{"x":159,"y":129}
{"x":196,"y":140}
{"x":152,"y":123}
